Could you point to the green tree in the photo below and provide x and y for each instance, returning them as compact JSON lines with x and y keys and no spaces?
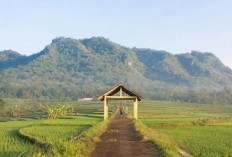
{"x":2,"y":105}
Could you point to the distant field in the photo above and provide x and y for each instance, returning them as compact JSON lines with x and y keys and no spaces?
{"x":202,"y":130}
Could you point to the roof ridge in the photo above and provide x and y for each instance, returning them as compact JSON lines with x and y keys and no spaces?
{"x":116,"y":89}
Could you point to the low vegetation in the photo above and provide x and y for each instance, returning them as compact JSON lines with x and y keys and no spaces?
{"x":57,"y":111}
{"x":160,"y":140}
{"x":68,"y":135}
{"x":11,"y":144}
{"x":202,"y":130}
{"x":205,"y":140}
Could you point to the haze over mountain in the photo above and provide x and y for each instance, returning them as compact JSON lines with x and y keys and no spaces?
{"x":87,"y":67}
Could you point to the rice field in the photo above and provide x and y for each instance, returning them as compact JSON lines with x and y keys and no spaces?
{"x":10,"y":143}
{"x":205,"y":141}
{"x":54,"y":133}
{"x":16,"y":133}
{"x":202,"y":130}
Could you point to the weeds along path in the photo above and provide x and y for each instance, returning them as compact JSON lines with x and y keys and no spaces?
{"x":121,"y":140}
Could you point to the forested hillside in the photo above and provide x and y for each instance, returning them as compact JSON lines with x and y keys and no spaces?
{"x":87,"y":67}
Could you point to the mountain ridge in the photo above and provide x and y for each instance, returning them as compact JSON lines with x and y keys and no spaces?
{"x":94,"y":64}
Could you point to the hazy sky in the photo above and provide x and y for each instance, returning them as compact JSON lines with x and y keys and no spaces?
{"x":177,"y":26}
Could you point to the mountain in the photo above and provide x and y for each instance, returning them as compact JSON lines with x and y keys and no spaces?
{"x":195,"y":69}
{"x":9,"y":58}
{"x":87,"y":67}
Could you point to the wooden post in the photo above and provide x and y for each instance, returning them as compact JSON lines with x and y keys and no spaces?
{"x":136,"y":108}
{"x":105,"y":108}
{"x":120,"y":91}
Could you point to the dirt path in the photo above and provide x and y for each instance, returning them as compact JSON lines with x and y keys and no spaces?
{"x":122,"y":140}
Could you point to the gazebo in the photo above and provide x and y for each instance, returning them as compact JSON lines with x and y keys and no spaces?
{"x":110,"y":95}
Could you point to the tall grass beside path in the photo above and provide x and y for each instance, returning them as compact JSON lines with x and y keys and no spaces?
{"x":79,"y":146}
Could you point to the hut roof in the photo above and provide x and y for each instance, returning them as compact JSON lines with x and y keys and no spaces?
{"x":117,"y":89}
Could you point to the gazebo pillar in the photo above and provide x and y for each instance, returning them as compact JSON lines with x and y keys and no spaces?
{"x":120,"y":91}
{"x":105,"y":108}
{"x":124,"y":94}
{"x":136,"y":108}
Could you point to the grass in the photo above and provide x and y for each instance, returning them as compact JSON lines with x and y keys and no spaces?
{"x":202,"y":130}
{"x":61,"y":134}
{"x":81,"y":146}
{"x":81,"y":119}
{"x":23,"y":136}
{"x":205,"y":141}
{"x":63,"y":129}
{"x":10,"y":143}
{"x":52,"y":134}
{"x":161,"y":141}
{"x":57,"y":132}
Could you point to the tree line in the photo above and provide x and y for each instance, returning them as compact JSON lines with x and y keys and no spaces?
{"x":59,"y":92}
{"x":217,"y":97}
{"x":62,"y":93}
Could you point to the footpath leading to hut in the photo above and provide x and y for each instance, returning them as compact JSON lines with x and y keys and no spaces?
{"x":121,"y":140}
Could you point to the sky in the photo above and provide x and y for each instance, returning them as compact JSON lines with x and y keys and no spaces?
{"x":176,"y":26}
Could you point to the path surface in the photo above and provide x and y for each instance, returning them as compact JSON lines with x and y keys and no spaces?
{"x":122,"y":140}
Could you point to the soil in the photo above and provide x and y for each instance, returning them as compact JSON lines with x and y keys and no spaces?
{"x":121,"y":140}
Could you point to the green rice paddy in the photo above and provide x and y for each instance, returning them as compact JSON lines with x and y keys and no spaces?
{"x":52,"y":131}
{"x":202,"y":130}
